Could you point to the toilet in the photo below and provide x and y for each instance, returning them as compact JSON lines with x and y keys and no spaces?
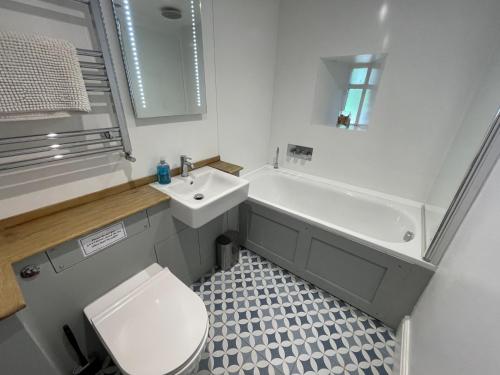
{"x":151,"y":324}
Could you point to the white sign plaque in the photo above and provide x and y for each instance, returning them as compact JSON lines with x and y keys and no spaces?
{"x":103,"y":238}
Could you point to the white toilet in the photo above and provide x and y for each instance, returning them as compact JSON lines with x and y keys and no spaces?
{"x":152,"y":324}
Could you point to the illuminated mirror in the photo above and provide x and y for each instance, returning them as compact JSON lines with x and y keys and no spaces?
{"x":162,"y":48}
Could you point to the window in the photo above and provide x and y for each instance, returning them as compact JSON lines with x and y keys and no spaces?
{"x":361,"y":88}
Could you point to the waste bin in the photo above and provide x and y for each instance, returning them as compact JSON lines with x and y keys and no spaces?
{"x":227,"y":250}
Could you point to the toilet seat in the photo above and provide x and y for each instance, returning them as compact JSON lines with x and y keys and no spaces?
{"x":152,"y":324}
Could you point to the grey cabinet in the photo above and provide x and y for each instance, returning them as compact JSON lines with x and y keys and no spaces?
{"x":181,"y":254}
{"x":206,"y":238}
{"x":19,"y":353}
{"x":68,"y":281}
{"x":188,"y":253}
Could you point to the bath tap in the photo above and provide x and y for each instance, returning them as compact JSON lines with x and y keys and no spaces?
{"x":185,"y":165}
{"x":300,"y":152}
{"x":276,"y":160}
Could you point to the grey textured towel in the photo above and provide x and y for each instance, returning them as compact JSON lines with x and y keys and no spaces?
{"x":40,"y":78}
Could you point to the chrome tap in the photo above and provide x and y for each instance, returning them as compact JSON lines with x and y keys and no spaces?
{"x":185,"y":165}
{"x":276,"y":166}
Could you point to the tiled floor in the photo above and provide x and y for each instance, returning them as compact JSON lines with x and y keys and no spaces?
{"x":265,"y":320}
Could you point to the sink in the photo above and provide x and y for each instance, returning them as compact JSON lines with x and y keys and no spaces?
{"x":205,"y":194}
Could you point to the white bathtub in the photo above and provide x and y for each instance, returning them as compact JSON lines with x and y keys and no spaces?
{"x":371,"y":218}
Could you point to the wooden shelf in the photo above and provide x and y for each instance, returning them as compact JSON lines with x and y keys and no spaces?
{"x":33,"y":232}
{"x":226,"y":167}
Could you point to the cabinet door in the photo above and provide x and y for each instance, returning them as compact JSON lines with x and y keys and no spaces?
{"x":180,"y":253}
{"x":207,"y":235}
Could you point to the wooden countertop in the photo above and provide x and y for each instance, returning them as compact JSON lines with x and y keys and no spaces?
{"x":28,"y":234}
{"x":35,"y":236}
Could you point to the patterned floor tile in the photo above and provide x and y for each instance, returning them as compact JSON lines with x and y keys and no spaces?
{"x":265,"y":320}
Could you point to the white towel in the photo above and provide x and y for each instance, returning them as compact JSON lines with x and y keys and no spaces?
{"x":40,"y":78}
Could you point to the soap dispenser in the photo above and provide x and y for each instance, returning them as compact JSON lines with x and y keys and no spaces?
{"x":163,"y":172}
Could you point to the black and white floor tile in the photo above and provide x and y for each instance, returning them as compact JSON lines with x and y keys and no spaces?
{"x":265,"y":320}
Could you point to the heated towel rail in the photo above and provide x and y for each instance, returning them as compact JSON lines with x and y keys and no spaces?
{"x":100,"y":78}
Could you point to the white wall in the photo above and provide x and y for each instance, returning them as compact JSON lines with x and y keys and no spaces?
{"x":245,"y":55}
{"x":401,"y":152}
{"x":245,"y":41}
{"x":435,"y":48}
{"x":330,"y":91}
{"x":454,"y":326}
{"x":151,"y":139}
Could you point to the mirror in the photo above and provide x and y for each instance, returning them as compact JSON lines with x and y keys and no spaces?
{"x":161,"y":43}
{"x":345,"y":90}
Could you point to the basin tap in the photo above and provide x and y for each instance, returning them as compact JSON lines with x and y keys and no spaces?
{"x":185,"y":165}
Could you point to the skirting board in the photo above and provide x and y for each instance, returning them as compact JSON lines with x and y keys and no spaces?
{"x":402,"y":353}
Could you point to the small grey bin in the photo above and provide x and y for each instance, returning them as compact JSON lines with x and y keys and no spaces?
{"x":227,"y":250}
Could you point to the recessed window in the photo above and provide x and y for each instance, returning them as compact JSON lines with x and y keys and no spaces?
{"x":345,"y":90}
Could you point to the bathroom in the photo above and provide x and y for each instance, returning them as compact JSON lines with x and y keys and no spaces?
{"x":327,"y":201}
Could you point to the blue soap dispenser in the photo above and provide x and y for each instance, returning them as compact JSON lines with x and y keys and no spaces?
{"x":163,"y":172}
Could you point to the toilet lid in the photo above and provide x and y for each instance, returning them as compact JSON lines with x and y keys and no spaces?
{"x":155,"y":329}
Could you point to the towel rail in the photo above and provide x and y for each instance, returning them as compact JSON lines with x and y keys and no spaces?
{"x":92,"y":65}
{"x":59,"y":135}
{"x":98,"y":18}
{"x":58,"y":157}
{"x":57,"y":147}
{"x":97,"y":89}
{"x":99,"y":77}
{"x":94,"y":76}
{"x":88,"y":52}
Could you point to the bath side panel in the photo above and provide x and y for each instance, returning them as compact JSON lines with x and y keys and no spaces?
{"x":379,"y":284}
{"x":275,"y":236}
{"x":382,"y":285}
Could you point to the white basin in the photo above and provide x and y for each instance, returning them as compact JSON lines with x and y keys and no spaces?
{"x":220,"y":192}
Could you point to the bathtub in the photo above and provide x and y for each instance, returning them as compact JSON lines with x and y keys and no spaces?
{"x":385,"y":223}
{"x":361,"y":246}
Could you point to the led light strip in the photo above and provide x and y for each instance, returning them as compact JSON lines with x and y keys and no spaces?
{"x":137,"y":67}
{"x":195,"y":53}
